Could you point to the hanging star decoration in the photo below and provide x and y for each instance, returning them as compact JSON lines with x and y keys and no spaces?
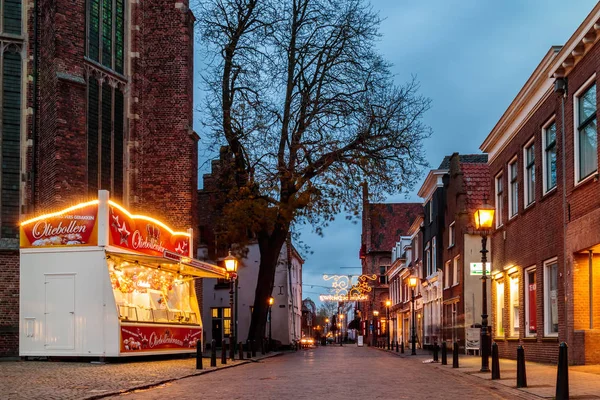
{"x":181,"y":247}
{"x":124,"y":233}
{"x":115,"y":219}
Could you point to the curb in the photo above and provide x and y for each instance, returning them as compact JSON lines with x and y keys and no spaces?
{"x":198,"y":373}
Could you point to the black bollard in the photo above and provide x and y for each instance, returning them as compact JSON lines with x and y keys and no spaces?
{"x":248,"y":350}
{"x":455,"y":355}
{"x":402,"y":347}
{"x":435,"y":352}
{"x":224,"y":353}
{"x":213,"y":353}
{"x":397,"y":347}
{"x":231,"y":349}
{"x":388,"y":343}
{"x":198,"y":355}
{"x":495,"y":362}
{"x":444,"y":353}
{"x":521,"y":374}
{"x":562,"y":378}
{"x":241,"y":350}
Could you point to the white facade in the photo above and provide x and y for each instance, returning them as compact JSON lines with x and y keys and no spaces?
{"x":287,"y":292}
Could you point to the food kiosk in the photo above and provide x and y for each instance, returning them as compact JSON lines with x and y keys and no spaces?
{"x":98,"y":281}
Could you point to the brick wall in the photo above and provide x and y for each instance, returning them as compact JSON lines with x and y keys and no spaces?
{"x":9,"y":303}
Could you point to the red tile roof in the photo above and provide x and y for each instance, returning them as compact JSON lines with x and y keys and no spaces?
{"x":477,"y":183}
{"x":389,"y":221}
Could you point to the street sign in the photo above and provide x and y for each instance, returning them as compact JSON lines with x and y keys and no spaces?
{"x":476,"y":268}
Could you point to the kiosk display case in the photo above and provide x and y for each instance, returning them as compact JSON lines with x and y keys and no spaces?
{"x":99,"y":281}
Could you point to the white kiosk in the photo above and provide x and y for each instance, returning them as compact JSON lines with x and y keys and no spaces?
{"x":99,"y":281}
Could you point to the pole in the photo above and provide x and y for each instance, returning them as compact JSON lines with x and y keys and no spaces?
{"x":414,"y":329}
{"x":387,"y":326}
{"x":232,"y":340}
{"x":484,"y":343}
{"x":270,"y":325}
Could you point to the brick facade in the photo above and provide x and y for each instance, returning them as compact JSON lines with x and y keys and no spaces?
{"x":160,"y":148}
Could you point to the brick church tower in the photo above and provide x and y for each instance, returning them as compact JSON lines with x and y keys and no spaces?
{"x":96,"y":94}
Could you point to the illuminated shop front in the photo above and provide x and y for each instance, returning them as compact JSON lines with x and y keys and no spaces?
{"x":99,"y":281}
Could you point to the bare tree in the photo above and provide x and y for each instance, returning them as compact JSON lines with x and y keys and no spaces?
{"x":309,"y":110}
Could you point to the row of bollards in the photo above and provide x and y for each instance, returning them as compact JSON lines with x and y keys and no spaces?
{"x":250,"y":352}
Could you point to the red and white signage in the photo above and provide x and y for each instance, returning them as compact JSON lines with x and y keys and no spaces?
{"x":139,"y":338}
{"x":74,"y":226}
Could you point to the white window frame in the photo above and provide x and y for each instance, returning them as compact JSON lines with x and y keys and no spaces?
{"x":527,"y":201}
{"x":500,"y":306}
{"x":431,"y":211}
{"x":547,"y":304}
{"x":447,"y":274}
{"x":551,"y":121}
{"x":427,"y":258}
{"x":455,"y":269}
{"x":452,"y":234}
{"x":499,"y":202}
{"x":583,"y":88}
{"x":526,"y":302}
{"x":514,"y":325}
{"x":433,"y":255}
{"x":512,"y":162}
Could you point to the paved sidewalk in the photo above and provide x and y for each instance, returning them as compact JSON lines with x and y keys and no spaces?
{"x":84,"y":380}
{"x":584,"y":381}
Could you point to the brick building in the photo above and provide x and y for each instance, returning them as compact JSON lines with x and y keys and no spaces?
{"x":466,"y":190}
{"x":543,"y":159}
{"x":382,"y":225}
{"x":96,"y":94}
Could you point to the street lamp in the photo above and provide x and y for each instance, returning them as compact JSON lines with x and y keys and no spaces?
{"x":231,"y":267}
{"x":484,"y":218}
{"x":388,"y":303}
{"x":271,"y":302}
{"x":412,"y":282}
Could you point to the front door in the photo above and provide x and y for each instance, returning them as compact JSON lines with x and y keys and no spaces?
{"x":217,"y":331}
{"x":59,"y":312}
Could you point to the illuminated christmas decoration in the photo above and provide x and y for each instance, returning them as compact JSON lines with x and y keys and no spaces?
{"x":342,"y":288}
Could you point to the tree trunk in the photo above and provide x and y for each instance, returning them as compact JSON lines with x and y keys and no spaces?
{"x":270,"y":248}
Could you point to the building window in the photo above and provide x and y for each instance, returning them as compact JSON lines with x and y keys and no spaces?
{"x":106,"y":125}
{"x":529,"y":157}
{"x":530,"y":302}
{"x":11,"y":17}
{"x":514,"y":306}
{"x":452,"y":234}
{"x":106,"y":33}
{"x":433,"y":255}
{"x":551,"y":298}
{"x":586,"y":139}
{"x":513,"y":189}
{"x":427,"y":259}
{"x":382,"y":274}
{"x":499,"y":200}
{"x":499,"y":309}
{"x":10,"y":139}
{"x":431,"y":211}
{"x":549,"y":141}
{"x":447,"y":276}
{"x":455,"y":271}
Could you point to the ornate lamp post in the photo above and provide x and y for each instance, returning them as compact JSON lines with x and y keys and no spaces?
{"x":271,"y":302}
{"x":412,"y":282}
{"x":484,"y":217}
{"x":388,"y":303}
{"x":231,"y":267}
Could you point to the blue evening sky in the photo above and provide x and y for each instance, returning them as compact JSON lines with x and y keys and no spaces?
{"x":471,"y":58}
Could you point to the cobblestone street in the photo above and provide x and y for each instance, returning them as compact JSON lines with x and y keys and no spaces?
{"x":334,"y":373}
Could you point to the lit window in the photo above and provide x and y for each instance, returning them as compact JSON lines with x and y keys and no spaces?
{"x":452,"y":234}
{"x":551,"y":298}
{"x":513,"y":189}
{"x":586,"y":138}
{"x":499,"y":198}
{"x":549,"y":138}
{"x":529,"y":154}
{"x":499,"y":309}
{"x":455,"y":272}
{"x":447,"y":277}
{"x":530,"y":303}
{"x":514,"y":306}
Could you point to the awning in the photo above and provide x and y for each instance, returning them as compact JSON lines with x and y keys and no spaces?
{"x":171,"y":262}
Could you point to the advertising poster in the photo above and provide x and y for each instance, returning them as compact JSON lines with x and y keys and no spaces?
{"x":155,"y":338}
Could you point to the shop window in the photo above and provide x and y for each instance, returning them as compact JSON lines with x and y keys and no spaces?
{"x":514,"y":306}
{"x":529,"y":157}
{"x":451,"y":234}
{"x":382,"y":274}
{"x":551,"y":298}
{"x":500,"y":308}
{"x":106,"y":33}
{"x":499,"y":200}
{"x":455,"y":270}
{"x":586,"y":138}
{"x":530,"y":303}
{"x":549,"y":141}
{"x":10,"y":136}
{"x":513,"y":189}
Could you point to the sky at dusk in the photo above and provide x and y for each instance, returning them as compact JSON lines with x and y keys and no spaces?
{"x":471,"y":58}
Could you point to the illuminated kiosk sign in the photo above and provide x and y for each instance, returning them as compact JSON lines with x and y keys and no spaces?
{"x":342,"y":288}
